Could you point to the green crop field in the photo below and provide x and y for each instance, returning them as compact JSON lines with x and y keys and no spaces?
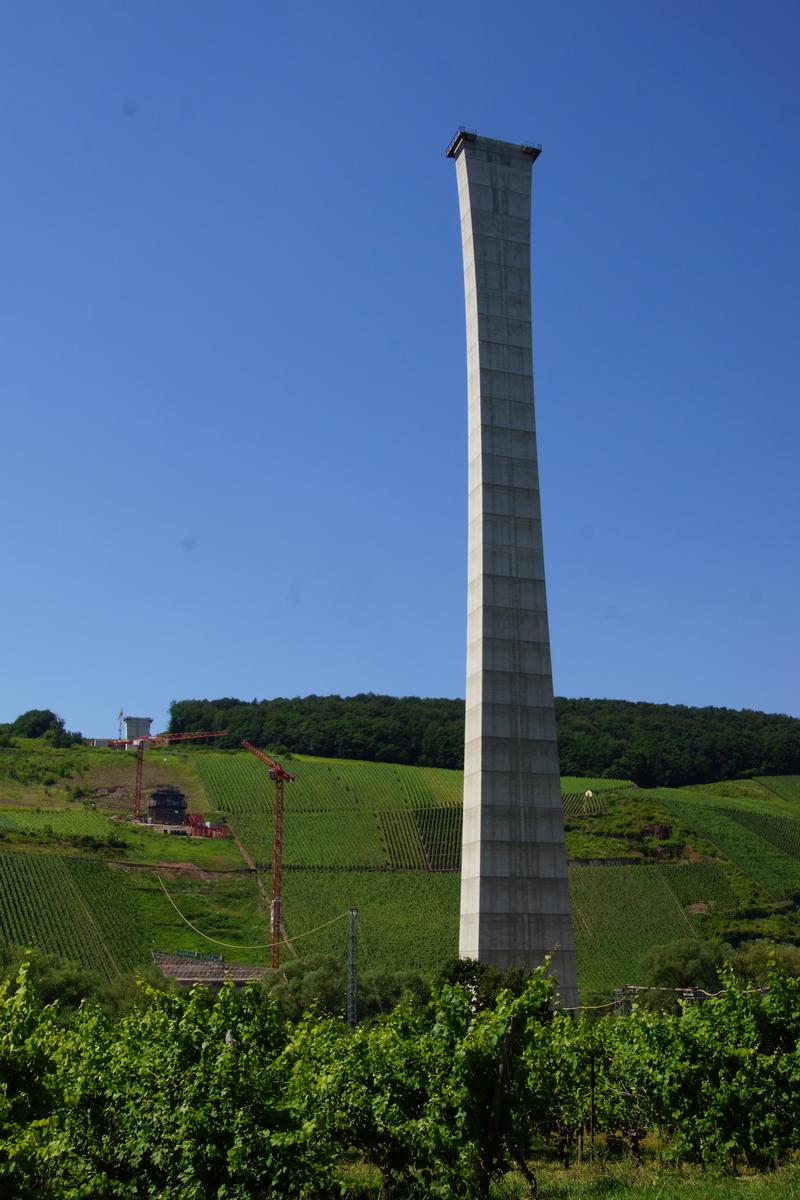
{"x":400,"y":836}
{"x":785,"y":786}
{"x":239,"y":783}
{"x":447,"y":787}
{"x":440,"y":834}
{"x":107,"y":897}
{"x":780,"y":831}
{"x":698,"y":883}
{"x":314,"y":839}
{"x":68,"y":908}
{"x":71,"y":822}
{"x":576,"y":783}
{"x":423,"y":839}
{"x":406,"y":919}
{"x":619,"y":913}
{"x":578,"y":804}
{"x":370,"y":807}
{"x":724,"y":824}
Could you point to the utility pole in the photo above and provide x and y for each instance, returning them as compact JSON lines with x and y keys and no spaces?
{"x":352,"y":968}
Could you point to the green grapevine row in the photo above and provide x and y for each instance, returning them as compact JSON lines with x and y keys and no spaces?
{"x":781,"y":832}
{"x":41,"y":905}
{"x":440,"y":834}
{"x":107,"y":895}
{"x":578,"y":804}
{"x":324,"y":839}
{"x":404,"y":849}
{"x":772,"y":867}
{"x":74,"y":822}
{"x":618,"y":913}
{"x":198,"y":1095}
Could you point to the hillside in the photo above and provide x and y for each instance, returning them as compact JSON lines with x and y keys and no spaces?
{"x":647,"y":866}
{"x":653,"y":744}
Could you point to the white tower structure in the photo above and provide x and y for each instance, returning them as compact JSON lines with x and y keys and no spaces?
{"x":515,"y":905}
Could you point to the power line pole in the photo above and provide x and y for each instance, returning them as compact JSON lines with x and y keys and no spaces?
{"x":352,"y":968}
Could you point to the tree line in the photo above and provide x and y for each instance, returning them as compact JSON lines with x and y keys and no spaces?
{"x":39,"y":723}
{"x":199,"y":1095}
{"x":652,"y":744}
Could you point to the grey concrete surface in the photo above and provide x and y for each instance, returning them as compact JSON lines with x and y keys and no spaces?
{"x":514,"y":893}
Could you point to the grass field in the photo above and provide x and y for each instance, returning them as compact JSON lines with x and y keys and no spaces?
{"x":227,"y":909}
{"x":610,"y":1180}
{"x":787,"y":787}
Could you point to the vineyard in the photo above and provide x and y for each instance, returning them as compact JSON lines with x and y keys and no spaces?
{"x":699,"y":884}
{"x":239,"y":784}
{"x":738,"y":832}
{"x":785,"y":786}
{"x":423,"y":839}
{"x":621,"y":912}
{"x":72,"y":907}
{"x":198,"y":1095}
{"x":405,"y":918}
{"x":107,"y":897}
{"x":385,"y":839}
{"x":781,"y":832}
{"x":56,"y":822}
{"x":581,"y":804}
{"x":571,"y":784}
{"x":314,"y":839}
{"x":344,"y":813}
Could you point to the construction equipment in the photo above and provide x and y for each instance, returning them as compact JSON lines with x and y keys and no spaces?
{"x":280,"y":775}
{"x":156,"y":739}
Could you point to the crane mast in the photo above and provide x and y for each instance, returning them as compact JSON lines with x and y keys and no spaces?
{"x":281,"y":776}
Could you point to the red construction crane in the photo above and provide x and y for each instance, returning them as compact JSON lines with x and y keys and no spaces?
{"x":279,"y":774}
{"x":158,"y":738}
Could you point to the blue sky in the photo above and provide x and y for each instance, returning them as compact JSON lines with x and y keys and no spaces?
{"x":233,"y":366}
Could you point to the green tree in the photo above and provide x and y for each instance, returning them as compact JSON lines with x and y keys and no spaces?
{"x":36,"y":722}
{"x":755,"y":961}
{"x":686,"y":963}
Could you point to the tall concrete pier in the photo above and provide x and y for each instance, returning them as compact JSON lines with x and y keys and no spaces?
{"x":514,"y":895}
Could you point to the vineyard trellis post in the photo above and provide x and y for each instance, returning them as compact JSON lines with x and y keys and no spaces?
{"x":591,"y":1106}
{"x":352,"y":968}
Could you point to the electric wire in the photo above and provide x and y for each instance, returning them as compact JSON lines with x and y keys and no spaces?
{"x":236,"y":945}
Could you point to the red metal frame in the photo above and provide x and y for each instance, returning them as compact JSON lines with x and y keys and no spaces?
{"x":280,"y":775}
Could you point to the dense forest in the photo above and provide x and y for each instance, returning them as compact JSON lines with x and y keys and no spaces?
{"x":653,"y":744}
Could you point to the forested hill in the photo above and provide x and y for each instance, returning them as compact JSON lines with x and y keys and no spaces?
{"x":655,"y":744}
